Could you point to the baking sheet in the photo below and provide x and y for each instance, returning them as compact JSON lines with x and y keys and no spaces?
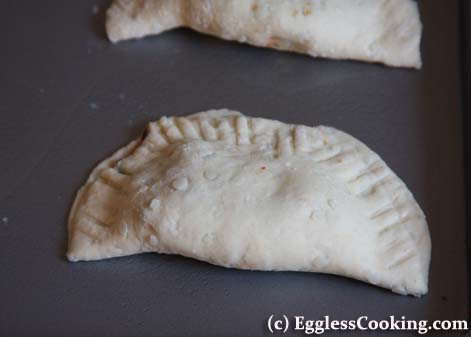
{"x":69,"y":99}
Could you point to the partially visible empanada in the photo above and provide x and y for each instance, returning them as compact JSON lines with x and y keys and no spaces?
{"x":253,"y":193}
{"x":386,"y":31}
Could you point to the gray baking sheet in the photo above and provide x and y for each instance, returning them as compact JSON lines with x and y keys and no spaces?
{"x":69,"y":98}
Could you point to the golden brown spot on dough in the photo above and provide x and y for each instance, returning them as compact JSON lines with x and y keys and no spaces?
{"x":261,"y":170}
{"x":339,"y":160}
{"x":136,"y":9}
{"x":326,"y":142}
{"x":295,"y":12}
{"x":307,"y":11}
{"x":254,"y":7}
{"x":273,"y":42}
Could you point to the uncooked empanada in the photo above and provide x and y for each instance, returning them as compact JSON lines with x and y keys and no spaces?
{"x":253,"y":193}
{"x":386,"y":31}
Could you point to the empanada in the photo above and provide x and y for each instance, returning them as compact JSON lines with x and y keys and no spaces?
{"x":253,"y":193}
{"x":386,"y":31}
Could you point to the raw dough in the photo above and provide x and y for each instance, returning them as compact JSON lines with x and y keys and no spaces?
{"x":253,"y":193}
{"x":386,"y":31}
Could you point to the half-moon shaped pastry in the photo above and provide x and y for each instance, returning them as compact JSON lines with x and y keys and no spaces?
{"x":253,"y":193}
{"x":386,"y":31}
